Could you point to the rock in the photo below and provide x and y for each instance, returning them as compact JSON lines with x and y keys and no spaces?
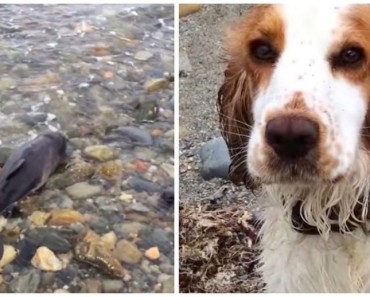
{"x":100,"y":50}
{"x":135,"y":135}
{"x":168,"y":285}
{"x":9,"y":255}
{"x":51,"y":238}
{"x":139,"y":207}
{"x":109,"y":239}
{"x":33,"y":118}
{"x":187,"y":9}
{"x":78,"y":172}
{"x":159,"y":238}
{"x":140,"y":185}
{"x":156,"y":84}
{"x":112,"y":286}
{"x":38,"y":218}
{"x":111,"y":169}
{"x":143,"y":56}
{"x":26,"y":282}
{"x":126,"y":196}
{"x":45,"y":260}
{"x":130,"y":228}
{"x":27,"y":249}
{"x":127,"y":252}
{"x":83,"y":190}
{"x":99,"y":152}
{"x":169,"y":169}
{"x":215,"y":159}
{"x":65,"y":217}
{"x":7,"y":83}
{"x":94,"y":286}
{"x":152,"y":253}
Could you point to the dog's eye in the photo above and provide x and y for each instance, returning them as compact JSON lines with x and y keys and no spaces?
{"x":263,"y":51}
{"x":349,"y":57}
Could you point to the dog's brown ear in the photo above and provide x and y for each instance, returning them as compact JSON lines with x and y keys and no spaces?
{"x":236,"y":119}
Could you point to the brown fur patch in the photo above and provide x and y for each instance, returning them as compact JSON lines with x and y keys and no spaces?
{"x":243,"y":78}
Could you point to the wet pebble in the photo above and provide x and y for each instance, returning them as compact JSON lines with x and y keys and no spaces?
{"x":112,"y":286}
{"x":143,"y":55}
{"x":140,"y":185}
{"x":9,"y":254}
{"x":33,"y":118}
{"x":156,"y":84}
{"x":83,"y":190}
{"x":99,"y":152}
{"x":28,"y":281}
{"x":139,"y":207}
{"x":65,"y":217}
{"x":159,"y":238}
{"x":45,"y":259}
{"x":215,"y":160}
{"x":134,"y":135}
{"x":127,"y":252}
{"x":50,"y":238}
{"x":125,"y":229}
{"x":94,"y":286}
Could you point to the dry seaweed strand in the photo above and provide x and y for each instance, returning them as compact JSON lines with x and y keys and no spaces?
{"x":218,"y":250}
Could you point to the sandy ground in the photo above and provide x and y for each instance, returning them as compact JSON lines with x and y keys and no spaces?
{"x":201,"y":38}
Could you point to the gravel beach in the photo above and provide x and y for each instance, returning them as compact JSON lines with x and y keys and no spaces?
{"x":103,"y":76}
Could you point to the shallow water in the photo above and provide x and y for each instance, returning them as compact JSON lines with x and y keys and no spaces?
{"x":102,"y":75}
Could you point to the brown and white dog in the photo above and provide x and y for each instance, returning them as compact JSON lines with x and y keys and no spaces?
{"x":294,"y":111}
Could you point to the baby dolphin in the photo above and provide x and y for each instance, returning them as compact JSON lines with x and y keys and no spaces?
{"x":29,"y":167}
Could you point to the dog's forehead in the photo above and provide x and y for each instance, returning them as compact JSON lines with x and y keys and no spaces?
{"x":312,"y":24}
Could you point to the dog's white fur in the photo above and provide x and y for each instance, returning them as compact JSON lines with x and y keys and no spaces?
{"x":329,"y":262}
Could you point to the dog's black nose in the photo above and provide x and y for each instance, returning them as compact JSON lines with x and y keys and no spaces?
{"x":292,"y":137}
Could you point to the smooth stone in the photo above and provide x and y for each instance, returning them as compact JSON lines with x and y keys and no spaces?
{"x":136,"y":136}
{"x":99,"y":152}
{"x":159,"y":238}
{"x":168,"y":285}
{"x":33,"y":118}
{"x":139,"y":207}
{"x":143,"y":56}
{"x":94,"y":286}
{"x":112,"y":286}
{"x":45,"y":260}
{"x":127,"y":252}
{"x":27,"y":282}
{"x":50,"y":238}
{"x":9,"y":254}
{"x":83,"y":190}
{"x":156,"y":84}
{"x":65,"y":217}
{"x":130,"y":228}
{"x":215,"y":159}
{"x":140,"y":185}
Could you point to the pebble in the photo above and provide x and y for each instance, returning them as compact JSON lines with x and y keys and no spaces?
{"x":152,"y":253}
{"x":187,"y":9}
{"x":139,"y":207}
{"x":156,"y":84}
{"x":215,"y":160}
{"x":45,"y":260}
{"x":9,"y":255}
{"x":127,"y":252}
{"x":112,"y":286}
{"x":168,"y":285}
{"x":94,"y":286}
{"x":159,"y":238}
{"x":38,"y":218}
{"x":65,"y":217}
{"x":83,"y":190}
{"x":140,"y":185}
{"x":111,"y":169}
{"x":109,"y":239}
{"x":134,"y":135}
{"x":50,"y":238}
{"x":99,"y":152}
{"x":143,"y":56}
{"x":184,"y":62}
{"x":26,"y":282}
{"x":130,"y":228}
{"x":169,"y":169}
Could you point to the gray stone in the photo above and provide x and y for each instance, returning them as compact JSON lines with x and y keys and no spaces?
{"x":135,"y":135}
{"x":140,"y":185}
{"x":215,"y":160}
{"x":27,"y":282}
{"x":184,"y":62}
{"x":143,"y":56}
{"x":49,"y":238}
{"x":112,"y":286}
{"x":83,"y":190}
{"x":139,"y":207}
